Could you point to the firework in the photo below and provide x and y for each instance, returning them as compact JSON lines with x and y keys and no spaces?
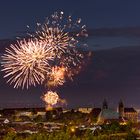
{"x":56,"y":76}
{"x":62,"y":35}
{"x":55,"y":39}
{"x":51,"y":98}
{"x":51,"y":53}
{"x":26,"y":62}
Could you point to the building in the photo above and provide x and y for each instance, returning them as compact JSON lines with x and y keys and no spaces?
{"x":85,"y":109}
{"x":30,"y":112}
{"x":120,"y":109}
{"x":138,"y":111}
{"x":107,"y":115}
{"x":105,"y":104}
{"x":129,"y":113}
{"x":17,"y":112}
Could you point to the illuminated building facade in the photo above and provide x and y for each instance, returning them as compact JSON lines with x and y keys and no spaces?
{"x":129,"y":113}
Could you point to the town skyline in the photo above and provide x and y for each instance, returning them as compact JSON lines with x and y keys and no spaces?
{"x":113,"y":71}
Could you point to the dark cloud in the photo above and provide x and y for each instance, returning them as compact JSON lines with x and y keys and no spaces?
{"x":115,"y":32}
{"x":113,"y":74}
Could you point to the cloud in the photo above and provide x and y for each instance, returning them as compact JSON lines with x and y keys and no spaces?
{"x":115,"y":32}
{"x":101,"y":32}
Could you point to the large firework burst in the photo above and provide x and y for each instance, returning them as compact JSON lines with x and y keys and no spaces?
{"x":26,"y":62}
{"x":62,"y":35}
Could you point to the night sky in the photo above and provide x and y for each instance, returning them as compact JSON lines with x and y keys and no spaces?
{"x":113,"y":71}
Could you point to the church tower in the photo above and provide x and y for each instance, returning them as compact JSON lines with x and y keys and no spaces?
{"x":121,"y":109}
{"x":105,"y":104}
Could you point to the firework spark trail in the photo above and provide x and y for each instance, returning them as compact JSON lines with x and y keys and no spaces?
{"x":55,"y":39}
{"x":26,"y":62}
{"x":56,"y":76}
{"x":63,"y":36}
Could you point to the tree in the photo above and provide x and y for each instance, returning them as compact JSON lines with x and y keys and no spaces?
{"x":38,"y":118}
{"x":9,"y":136}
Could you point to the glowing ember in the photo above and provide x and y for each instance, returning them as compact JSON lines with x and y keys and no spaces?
{"x":56,"y":76}
{"x":51,"y":98}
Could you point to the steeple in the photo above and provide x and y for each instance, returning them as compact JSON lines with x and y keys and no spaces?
{"x":105,"y":104}
{"x":121,"y":108}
